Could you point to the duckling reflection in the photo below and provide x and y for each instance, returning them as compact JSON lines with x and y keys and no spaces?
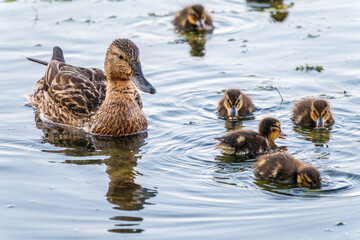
{"x":123,"y":152}
{"x":319,"y":137}
{"x":278,"y":10}
{"x":196,"y":40}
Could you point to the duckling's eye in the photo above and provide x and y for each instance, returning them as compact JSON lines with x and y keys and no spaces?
{"x":325,"y":111}
{"x":121,"y":56}
{"x":314,"y":111}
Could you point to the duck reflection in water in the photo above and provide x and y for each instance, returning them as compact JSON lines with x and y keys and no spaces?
{"x":318,"y":136}
{"x":196,"y":41}
{"x":123,"y":152}
{"x":278,"y":10}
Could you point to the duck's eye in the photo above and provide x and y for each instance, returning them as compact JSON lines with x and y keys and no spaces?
{"x":314,"y":111}
{"x":121,"y":56}
{"x":325,"y":112}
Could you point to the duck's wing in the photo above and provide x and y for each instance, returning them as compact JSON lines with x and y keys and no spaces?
{"x":180,"y":18}
{"x":75,"y":90}
{"x":301,"y":113}
{"x":79,"y":91}
{"x":138,"y":99}
{"x":247,"y":107}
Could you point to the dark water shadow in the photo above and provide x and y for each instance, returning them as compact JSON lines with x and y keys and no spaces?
{"x":277,"y":9}
{"x":123,"y":154}
{"x":318,"y":136}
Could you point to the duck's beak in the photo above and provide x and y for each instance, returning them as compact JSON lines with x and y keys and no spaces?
{"x":200,"y":23}
{"x":320,"y":122}
{"x":233,"y":112}
{"x":139,"y":79}
{"x":282,"y":135}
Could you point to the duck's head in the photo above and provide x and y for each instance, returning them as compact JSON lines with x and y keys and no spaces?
{"x":270,"y":129}
{"x":122,"y":63}
{"x":308,"y":177}
{"x":196,"y":15}
{"x":320,"y":112}
{"x":233,"y":102}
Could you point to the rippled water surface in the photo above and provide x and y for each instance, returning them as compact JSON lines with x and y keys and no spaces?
{"x":170,"y":182}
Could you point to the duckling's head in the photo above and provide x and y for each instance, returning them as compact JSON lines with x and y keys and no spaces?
{"x":196,"y":15}
{"x":270,"y":129}
{"x":320,"y":112}
{"x":233,"y":102}
{"x":309,"y":177}
{"x":122,"y":63}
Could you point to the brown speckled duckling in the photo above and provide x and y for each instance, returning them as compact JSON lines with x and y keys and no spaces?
{"x":248,"y":142}
{"x":193,"y":18}
{"x":101,"y":103}
{"x":284,"y":168}
{"x":235,"y":104}
{"x":313,"y":112}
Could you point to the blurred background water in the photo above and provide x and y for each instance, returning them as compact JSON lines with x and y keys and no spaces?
{"x":171,"y":182}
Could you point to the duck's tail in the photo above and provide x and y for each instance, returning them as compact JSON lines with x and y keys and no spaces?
{"x":37,"y":61}
{"x":57,"y":55}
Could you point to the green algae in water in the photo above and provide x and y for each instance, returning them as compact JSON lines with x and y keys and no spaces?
{"x":307,"y":68}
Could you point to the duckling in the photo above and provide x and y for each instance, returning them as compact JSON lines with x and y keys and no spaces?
{"x":284,"y":168}
{"x":87,"y":98}
{"x":313,"y":112}
{"x":193,"y":18}
{"x":235,"y":104}
{"x":248,"y":142}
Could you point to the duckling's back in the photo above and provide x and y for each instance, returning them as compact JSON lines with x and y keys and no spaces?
{"x":277,"y":166}
{"x":243,"y":142}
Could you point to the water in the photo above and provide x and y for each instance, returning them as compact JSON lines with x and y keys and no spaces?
{"x":171,"y":182}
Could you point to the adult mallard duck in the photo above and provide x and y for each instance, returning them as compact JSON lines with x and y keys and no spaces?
{"x":235,"y":104}
{"x":100,"y":103}
{"x":248,"y":142}
{"x":193,"y":18}
{"x":284,"y":168}
{"x":313,"y":112}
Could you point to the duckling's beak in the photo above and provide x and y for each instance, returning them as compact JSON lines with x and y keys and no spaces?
{"x":139,"y":79}
{"x":320,"y":122}
{"x":200,"y":23}
{"x":282,"y":135}
{"x":233,"y":111}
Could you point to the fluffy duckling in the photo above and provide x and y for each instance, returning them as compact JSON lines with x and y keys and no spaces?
{"x":284,"y":168}
{"x":248,"y":142}
{"x":313,"y":112}
{"x":87,"y":98}
{"x":235,"y":104}
{"x":193,"y":18}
